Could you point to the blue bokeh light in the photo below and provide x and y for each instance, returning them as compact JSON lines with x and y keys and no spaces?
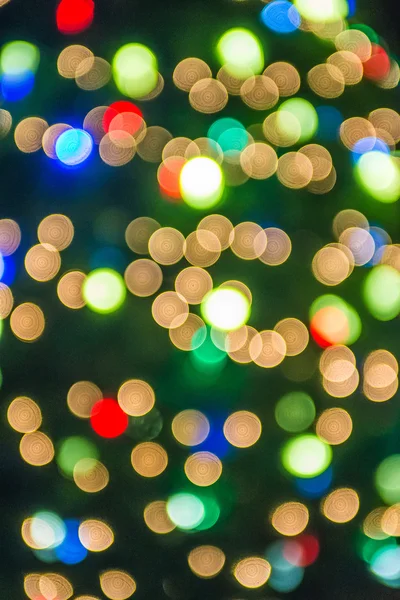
{"x":281,"y":16}
{"x":74,"y":146}
{"x":368,"y":144}
{"x":285,"y":577}
{"x":15,"y":87}
{"x":71,"y":551}
{"x":2,"y":266}
{"x":9,"y":271}
{"x":329,"y":122}
{"x":315,"y":487}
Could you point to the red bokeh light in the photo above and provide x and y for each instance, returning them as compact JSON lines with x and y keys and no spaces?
{"x":378,"y":65}
{"x":168,"y":176}
{"x":303,"y":551}
{"x":108,"y":419}
{"x":74,"y":16}
{"x":329,"y":326}
{"x":121,"y":106}
{"x":129,"y":122}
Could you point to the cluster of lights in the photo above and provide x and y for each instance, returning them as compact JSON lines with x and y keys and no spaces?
{"x":211,"y":321}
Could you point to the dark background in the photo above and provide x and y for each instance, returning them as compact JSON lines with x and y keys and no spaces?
{"x":80,"y":345}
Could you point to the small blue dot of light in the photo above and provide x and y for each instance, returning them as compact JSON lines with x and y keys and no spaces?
{"x":368,"y":144}
{"x":71,"y":551}
{"x":16,"y":87}
{"x":352,"y":8}
{"x":281,"y":16}
{"x":74,"y":146}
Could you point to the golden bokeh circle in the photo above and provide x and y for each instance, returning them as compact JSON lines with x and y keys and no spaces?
{"x":279,"y":135}
{"x":143,"y":277}
{"x":206,"y":561}
{"x":187,"y":337}
{"x":267,"y":349}
{"x":372,"y":525}
{"x":31,"y":585}
{"x":117,"y":585}
{"x":166,"y":245}
{"x":28,"y":134}
{"x":337,"y":363}
{"x":58,"y":586}
{"x":156,"y":91}
{"x":36,"y":449}
{"x":170,"y":310}
{"x":348,"y":218}
{"x":295,"y":334}
{"x":56,"y":230}
{"x":380,"y":394}
{"x":94,"y":123}
{"x":92,"y":73}
{"x":81,"y":398}
{"x":290,"y":518}
{"x":202,"y":248}
{"x":50,"y":138}
{"x":279,"y":247}
{"x":356,"y":41}
{"x":334,"y":426}
{"x":151,"y":148}
{"x":242,"y":429}
{"x":42,"y":262}
{"x":390,"y":521}
{"x":387,"y":120}
{"x":229,"y":341}
{"x":193,"y":283}
{"x":242,"y":355}
{"x":189,"y":71}
{"x":90,"y":475}
{"x":330,"y":266}
{"x":361,"y":244}
{"x":220,"y":226}
{"x":127,"y":122}
{"x":321,"y":160}
{"x":156,"y":517}
{"x":27,"y":322}
{"x":138,"y":233}
{"x":176,"y":147}
{"x":6,"y":300}
{"x":232,"y":84}
{"x":354,"y":129}
{"x":10,"y":236}
{"x":24,"y":415}
{"x":95,"y":535}
{"x":326,"y":80}
{"x":203,"y":468}
{"x":208,"y":96}
{"x":5,"y":122}
{"x":69,"y":289}
{"x":342,"y":389}
{"x":295,"y":170}
{"x":349,"y":64}
{"x":117,"y":148}
{"x":252,"y":572}
{"x":205,"y":146}
{"x":70,"y":58}
{"x":341,"y":505}
{"x":325,"y":185}
{"x":259,"y":161}
{"x":136,"y":397}
{"x":248,"y":240}
{"x":26,"y":534}
{"x":149,"y":459}
{"x":190,"y":427}
{"x":259,"y":92}
{"x":286,"y":77}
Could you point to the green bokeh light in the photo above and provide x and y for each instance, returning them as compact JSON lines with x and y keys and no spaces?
{"x":211,"y":513}
{"x":206,"y":357}
{"x":305,"y":114}
{"x":379,"y":175}
{"x":186,"y":511}
{"x":219,"y":127}
{"x":295,"y":411}
{"x":387,"y":479}
{"x":104,"y":290}
{"x":72,"y":450}
{"x":47,"y":529}
{"x":240,"y":52}
{"x":353,"y":318}
{"x":322,"y":10}
{"x":382,"y":292}
{"x":18,"y":57}
{"x":306,"y":456}
{"x":135,"y":70}
{"x":225,"y":308}
{"x":201,"y":182}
